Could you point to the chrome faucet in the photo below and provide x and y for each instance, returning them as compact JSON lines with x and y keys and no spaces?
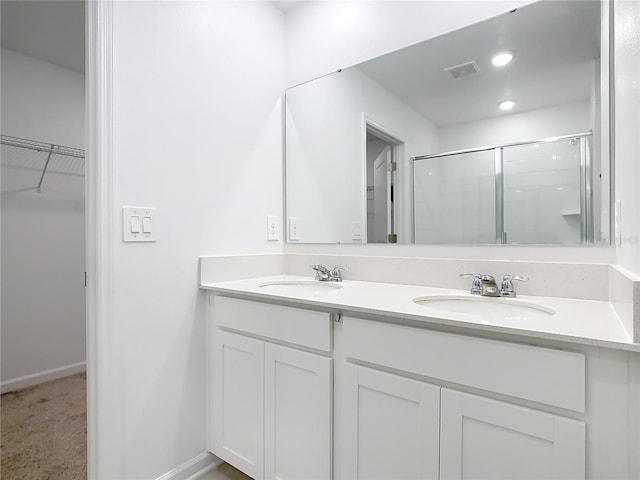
{"x":323,"y":274}
{"x":336,"y":273}
{"x":484,"y":285}
{"x":506,"y":287}
{"x":476,"y":287}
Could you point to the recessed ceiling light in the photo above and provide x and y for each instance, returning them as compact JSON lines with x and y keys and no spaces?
{"x":507,"y":105}
{"x":500,"y":59}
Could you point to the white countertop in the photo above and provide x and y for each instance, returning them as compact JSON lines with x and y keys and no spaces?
{"x":584,"y":322}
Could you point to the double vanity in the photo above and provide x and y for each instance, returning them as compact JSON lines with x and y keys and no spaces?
{"x":355,"y":379}
{"x":404,"y":370}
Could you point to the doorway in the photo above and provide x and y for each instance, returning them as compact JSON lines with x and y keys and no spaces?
{"x":383,"y":152}
{"x":43,"y":231}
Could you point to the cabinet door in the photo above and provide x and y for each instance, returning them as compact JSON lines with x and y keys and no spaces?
{"x":393,"y":426}
{"x":487,"y":439}
{"x":238,"y":402}
{"x":298,"y":392}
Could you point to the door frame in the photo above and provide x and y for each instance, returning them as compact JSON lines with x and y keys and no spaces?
{"x":100,"y":228}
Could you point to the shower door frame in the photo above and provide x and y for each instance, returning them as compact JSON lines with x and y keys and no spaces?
{"x":586,"y":177}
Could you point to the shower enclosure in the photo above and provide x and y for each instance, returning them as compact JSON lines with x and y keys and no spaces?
{"x":534,"y":192}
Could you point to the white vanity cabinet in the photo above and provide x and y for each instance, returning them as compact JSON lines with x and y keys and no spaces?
{"x":485,"y":438}
{"x":237,"y":402}
{"x":392,"y":426}
{"x":298,"y":419}
{"x":404,"y":428}
{"x":411,"y":401}
{"x":271,"y":404}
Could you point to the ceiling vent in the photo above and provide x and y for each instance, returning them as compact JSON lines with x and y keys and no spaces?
{"x":463,"y":70}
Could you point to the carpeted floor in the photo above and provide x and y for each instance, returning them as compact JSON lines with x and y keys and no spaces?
{"x":44,"y":431}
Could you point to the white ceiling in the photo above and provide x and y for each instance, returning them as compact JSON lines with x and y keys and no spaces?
{"x":555,"y":43}
{"x":49,"y":30}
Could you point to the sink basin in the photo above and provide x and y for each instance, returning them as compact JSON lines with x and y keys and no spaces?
{"x":300,"y":286}
{"x":485,"y":306}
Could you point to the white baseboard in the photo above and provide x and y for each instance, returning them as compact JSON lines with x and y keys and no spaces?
{"x":194,"y":468}
{"x":41,"y":377}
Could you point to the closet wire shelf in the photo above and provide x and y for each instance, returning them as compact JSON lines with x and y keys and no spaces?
{"x":42,"y":157}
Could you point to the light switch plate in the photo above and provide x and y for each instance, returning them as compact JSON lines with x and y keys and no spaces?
{"x":294,"y":229}
{"x":273,"y":229}
{"x":617,"y":222}
{"x":356,"y":231}
{"x":146,"y":216}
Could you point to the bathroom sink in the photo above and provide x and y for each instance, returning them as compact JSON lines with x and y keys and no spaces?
{"x":300,"y":286}
{"x":507,"y":308}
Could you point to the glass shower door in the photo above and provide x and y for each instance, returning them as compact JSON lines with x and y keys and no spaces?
{"x":544,"y":202}
{"x":455,"y":199}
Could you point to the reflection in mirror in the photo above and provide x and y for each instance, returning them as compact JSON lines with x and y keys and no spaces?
{"x":382,"y":154}
{"x":455,"y":199}
{"x":418,"y":145}
{"x":534,"y":192}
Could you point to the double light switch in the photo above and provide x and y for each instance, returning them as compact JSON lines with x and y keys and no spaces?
{"x":139,"y":224}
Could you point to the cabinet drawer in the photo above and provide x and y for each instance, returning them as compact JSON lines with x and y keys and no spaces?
{"x":544,"y":375}
{"x":293,"y":325}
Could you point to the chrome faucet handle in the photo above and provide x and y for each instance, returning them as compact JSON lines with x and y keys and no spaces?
{"x":476,"y":287}
{"x":523,"y":278}
{"x":322,"y":273}
{"x":336,"y":273}
{"x":506,"y":287}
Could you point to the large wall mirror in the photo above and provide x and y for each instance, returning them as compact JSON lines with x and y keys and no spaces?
{"x":497,"y":133}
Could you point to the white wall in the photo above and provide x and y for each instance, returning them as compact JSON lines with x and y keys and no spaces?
{"x":41,"y":101}
{"x":565,"y":119}
{"x":627,"y":121}
{"x":43,"y":303}
{"x":324,"y":36}
{"x":198,"y":135}
{"x":326,"y":191}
